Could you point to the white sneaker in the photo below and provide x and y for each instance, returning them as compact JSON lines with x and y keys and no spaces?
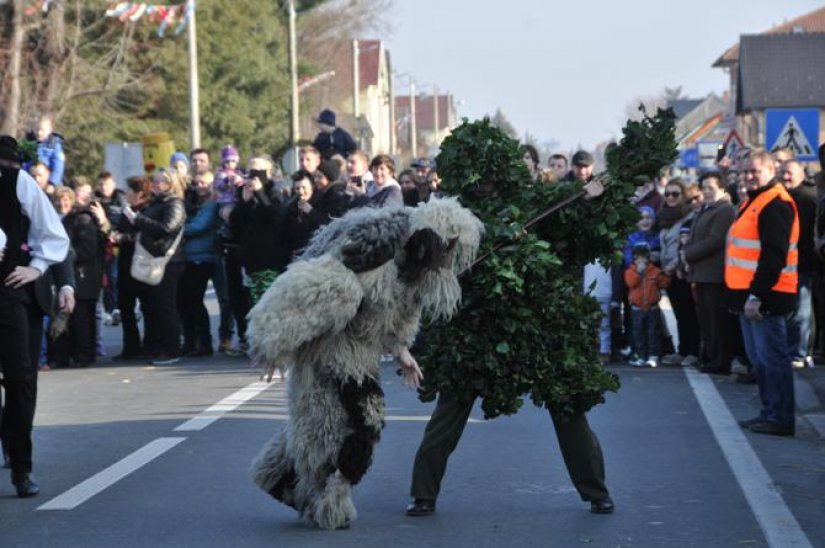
{"x":652,"y":361}
{"x":809,"y":362}
{"x":637,"y":362}
{"x":107,"y":320}
{"x":798,"y":364}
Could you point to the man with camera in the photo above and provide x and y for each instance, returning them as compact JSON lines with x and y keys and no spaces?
{"x":257,"y":223}
{"x":358,"y":172}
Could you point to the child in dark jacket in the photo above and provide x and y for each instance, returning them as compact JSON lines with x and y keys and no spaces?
{"x":645,"y":282}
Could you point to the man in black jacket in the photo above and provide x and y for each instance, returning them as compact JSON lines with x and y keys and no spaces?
{"x":800,"y":325}
{"x":332,"y":140}
{"x":29,"y":222}
{"x":761,"y":262}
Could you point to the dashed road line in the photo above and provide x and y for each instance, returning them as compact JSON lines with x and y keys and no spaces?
{"x":85,"y":490}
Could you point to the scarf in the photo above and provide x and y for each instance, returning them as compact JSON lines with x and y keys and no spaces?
{"x":373,"y":189}
{"x":669,"y":216}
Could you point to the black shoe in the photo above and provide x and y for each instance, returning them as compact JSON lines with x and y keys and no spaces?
{"x":128,"y":357}
{"x":751,"y":422}
{"x":746,"y":378}
{"x":772,"y":429}
{"x":713,"y":369}
{"x":420,"y":507}
{"x":25,"y":485}
{"x":199,"y":353}
{"x":602,"y":506}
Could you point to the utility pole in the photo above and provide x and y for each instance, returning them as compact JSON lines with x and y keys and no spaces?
{"x":293,"y":70}
{"x":356,"y":80}
{"x":194,"y":98}
{"x":413,"y":144}
{"x":435,"y":113}
{"x":391,"y":93}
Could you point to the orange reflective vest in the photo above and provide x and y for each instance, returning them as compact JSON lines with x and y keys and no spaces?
{"x":743,"y":245}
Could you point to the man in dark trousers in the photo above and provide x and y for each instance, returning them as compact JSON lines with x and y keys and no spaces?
{"x":35,"y":240}
{"x":761,"y":275}
{"x":579,"y":445}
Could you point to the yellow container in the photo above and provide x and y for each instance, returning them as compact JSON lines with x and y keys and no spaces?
{"x":157,"y":149}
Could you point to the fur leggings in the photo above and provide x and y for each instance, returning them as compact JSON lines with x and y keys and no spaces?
{"x":314,"y":479}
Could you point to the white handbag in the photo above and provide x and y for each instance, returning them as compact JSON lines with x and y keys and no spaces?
{"x":146,"y":267}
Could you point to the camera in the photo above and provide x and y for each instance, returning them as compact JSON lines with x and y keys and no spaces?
{"x":259,"y":173}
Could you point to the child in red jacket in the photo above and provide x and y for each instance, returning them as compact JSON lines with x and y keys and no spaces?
{"x":645,"y":282}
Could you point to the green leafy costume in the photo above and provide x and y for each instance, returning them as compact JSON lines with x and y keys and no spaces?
{"x":525,"y":327}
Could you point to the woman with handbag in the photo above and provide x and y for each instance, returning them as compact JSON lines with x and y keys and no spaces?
{"x":158,"y":264}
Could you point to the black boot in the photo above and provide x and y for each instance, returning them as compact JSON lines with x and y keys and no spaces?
{"x":25,"y":484}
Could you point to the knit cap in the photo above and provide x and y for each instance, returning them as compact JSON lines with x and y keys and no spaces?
{"x":229,"y":152}
{"x":178,"y":157}
{"x":331,"y":170}
{"x":327,"y":117}
{"x":648,"y":211}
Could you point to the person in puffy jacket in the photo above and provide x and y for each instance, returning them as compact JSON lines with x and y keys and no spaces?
{"x":645,"y":282}
{"x":199,"y":248}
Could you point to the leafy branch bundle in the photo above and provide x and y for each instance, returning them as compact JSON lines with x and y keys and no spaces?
{"x":525,"y":328}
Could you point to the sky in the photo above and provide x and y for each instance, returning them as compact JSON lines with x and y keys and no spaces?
{"x":567,"y":71}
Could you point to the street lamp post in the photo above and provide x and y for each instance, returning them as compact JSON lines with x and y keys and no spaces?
{"x":293,"y":69}
{"x":194,"y":99}
{"x":413,"y":143}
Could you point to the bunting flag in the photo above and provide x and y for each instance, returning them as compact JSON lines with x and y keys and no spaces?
{"x":37,"y":5}
{"x":164,"y":15}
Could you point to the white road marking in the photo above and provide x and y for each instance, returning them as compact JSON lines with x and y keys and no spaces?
{"x":229,"y":403}
{"x":777,"y":522}
{"x":83,"y":491}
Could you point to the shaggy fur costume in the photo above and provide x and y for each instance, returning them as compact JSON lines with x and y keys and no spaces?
{"x":358,"y":291}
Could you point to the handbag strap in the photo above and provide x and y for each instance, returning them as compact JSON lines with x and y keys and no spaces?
{"x":174,"y":246}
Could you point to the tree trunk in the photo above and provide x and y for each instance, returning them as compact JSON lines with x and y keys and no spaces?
{"x":12,"y":122}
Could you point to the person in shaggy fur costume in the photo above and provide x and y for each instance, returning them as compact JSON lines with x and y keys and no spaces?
{"x":358,"y":291}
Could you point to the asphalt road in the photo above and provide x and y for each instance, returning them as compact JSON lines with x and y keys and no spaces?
{"x":157,"y":456}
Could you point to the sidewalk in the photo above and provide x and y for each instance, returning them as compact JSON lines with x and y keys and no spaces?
{"x":809,"y":383}
{"x":809,"y":388}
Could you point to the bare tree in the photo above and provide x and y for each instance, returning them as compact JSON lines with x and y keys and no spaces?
{"x":71,"y":52}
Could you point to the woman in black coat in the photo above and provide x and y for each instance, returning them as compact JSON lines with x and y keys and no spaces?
{"x":130,"y":291}
{"x":705,"y":256}
{"x":159,"y":224}
{"x":302,"y":219}
{"x":88,"y":247}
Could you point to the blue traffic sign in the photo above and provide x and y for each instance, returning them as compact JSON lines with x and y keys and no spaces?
{"x":689,"y":157}
{"x":795,"y":129}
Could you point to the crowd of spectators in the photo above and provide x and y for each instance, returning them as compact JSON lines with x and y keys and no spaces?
{"x":239,"y":226}
{"x":234,"y":225}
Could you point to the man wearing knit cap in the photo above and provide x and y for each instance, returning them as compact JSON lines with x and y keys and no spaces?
{"x":332,"y":140}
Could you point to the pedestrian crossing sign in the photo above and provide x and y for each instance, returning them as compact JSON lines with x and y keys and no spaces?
{"x":795,"y":129}
{"x":733,"y":144}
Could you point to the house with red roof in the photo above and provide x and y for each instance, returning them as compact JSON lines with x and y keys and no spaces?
{"x":780,"y":68}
